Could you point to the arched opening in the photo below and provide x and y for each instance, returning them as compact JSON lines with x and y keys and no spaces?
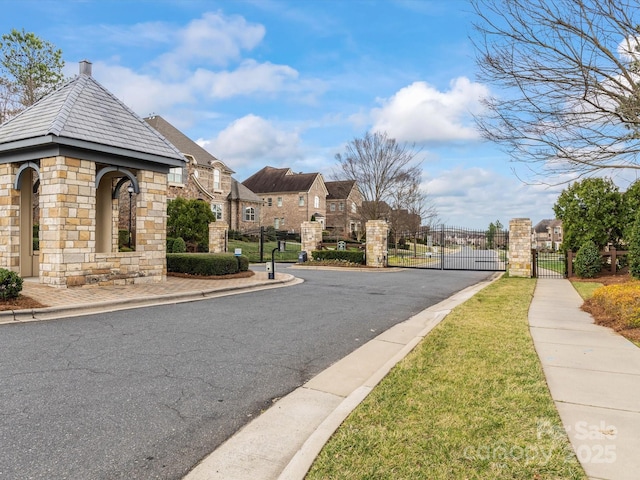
{"x":113,"y":202}
{"x":27,"y":182}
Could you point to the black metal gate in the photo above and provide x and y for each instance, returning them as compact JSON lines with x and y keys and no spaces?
{"x":450,"y":248}
{"x":549,"y":264}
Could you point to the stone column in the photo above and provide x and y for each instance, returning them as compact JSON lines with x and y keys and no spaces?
{"x":218,"y":237}
{"x":9,"y":219}
{"x":151,"y":226}
{"x":520,"y":244}
{"x":68,"y":213}
{"x":310,"y":237}
{"x":377,"y":232}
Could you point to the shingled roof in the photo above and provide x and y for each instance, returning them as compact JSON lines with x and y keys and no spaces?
{"x":270,"y":180}
{"x":82,"y":114}
{"x":339,"y":189}
{"x":184,"y":143}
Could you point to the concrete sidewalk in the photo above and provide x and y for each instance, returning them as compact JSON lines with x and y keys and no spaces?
{"x":594,"y":378}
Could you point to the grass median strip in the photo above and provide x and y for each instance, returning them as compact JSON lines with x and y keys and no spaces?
{"x":469,"y":402}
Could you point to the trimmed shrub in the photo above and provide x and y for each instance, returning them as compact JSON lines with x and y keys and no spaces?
{"x":170,"y":241}
{"x":588,"y":262}
{"x":10,"y":284}
{"x":243,"y":263}
{"x":179,"y":246}
{"x":123,"y":238}
{"x":352,"y":256}
{"x":205,"y":264}
{"x":634,"y":248}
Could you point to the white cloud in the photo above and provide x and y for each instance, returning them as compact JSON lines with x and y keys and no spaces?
{"x":420,"y":113}
{"x":142,"y":93}
{"x":472,"y":197}
{"x":250,"y":77}
{"x":251,"y":142}
{"x":213,"y":39}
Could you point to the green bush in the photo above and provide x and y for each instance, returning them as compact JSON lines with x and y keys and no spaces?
{"x":179,"y":246}
{"x":205,"y":264}
{"x":352,"y":256}
{"x":588,"y":261}
{"x":36,"y":244}
{"x":634,"y":248}
{"x":10,"y":284}
{"x":123,"y":238}
{"x":170,"y":241}
{"x":243,"y":263}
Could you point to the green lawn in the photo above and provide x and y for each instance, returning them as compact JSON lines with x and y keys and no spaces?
{"x":470,"y":402}
{"x":252,"y":251}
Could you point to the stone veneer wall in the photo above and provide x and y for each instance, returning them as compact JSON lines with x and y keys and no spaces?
{"x":310,"y":237}
{"x":520,"y":244}
{"x":68,"y":229}
{"x":9,"y":220}
{"x":377,"y":232}
{"x":218,"y":237}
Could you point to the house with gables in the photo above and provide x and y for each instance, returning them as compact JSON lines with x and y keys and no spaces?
{"x":289,"y":198}
{"x":344,"y":204}
{"x":71,"y":154}
{"x":548,"y":234}
{"x":206,"y":177}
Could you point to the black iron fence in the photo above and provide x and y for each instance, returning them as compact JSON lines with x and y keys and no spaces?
{"x":449,"y":248}
{"x":259,"y":244}
{"x":549,"y":264}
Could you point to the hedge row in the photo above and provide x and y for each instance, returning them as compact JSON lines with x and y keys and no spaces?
{"x":352,"y":256}
{"x":206,"y":264}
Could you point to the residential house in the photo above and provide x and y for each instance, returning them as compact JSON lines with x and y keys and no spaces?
{"x":344,"y":202}
{"x":208,"y":178}
{"x":548,"y":234}
{"x":289,"y":198}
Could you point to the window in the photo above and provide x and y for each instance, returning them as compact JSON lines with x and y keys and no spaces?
{"x":279,"y":201}
{"x":301,"y":201}
{"x":269,"y":202}
{"x":341,"y":207}
{"x":276,"y":223}
{"x":282,"y":222}
{"x":354,"y":207}
{"x":175,"y":175}
{"x":216,"y":179}
{"x":332,"y":207}
{"x":216,"y":208}
{"x":316,"y":202}
{"x":249,"y":214}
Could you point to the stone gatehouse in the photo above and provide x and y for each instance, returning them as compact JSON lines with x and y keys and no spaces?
{"x":67,"y":158}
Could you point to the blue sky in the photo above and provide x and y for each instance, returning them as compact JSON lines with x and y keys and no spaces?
{"x":289,"y":83}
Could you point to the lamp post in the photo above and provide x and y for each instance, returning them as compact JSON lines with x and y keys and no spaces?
{"x":130,"y":190}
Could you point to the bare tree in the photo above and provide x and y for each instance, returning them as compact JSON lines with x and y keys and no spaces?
{"x":569,"y":78}
{"x":387,"y":175}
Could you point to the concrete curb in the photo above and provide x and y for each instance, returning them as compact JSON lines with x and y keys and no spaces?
{"x":283,"y":442}
{"x":50,"y":313}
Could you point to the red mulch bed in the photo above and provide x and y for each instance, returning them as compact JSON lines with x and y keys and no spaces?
{"x":20,"y":303}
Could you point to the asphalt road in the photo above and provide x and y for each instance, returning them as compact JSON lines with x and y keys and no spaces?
{"x":147,"y":393}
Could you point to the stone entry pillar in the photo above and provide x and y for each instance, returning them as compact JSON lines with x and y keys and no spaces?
{"x":377,"y":233}
{"x":218,"y":237}
{"x":310,"y":237}
{"x":520,"y":239}
{"x":10,"y":220}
